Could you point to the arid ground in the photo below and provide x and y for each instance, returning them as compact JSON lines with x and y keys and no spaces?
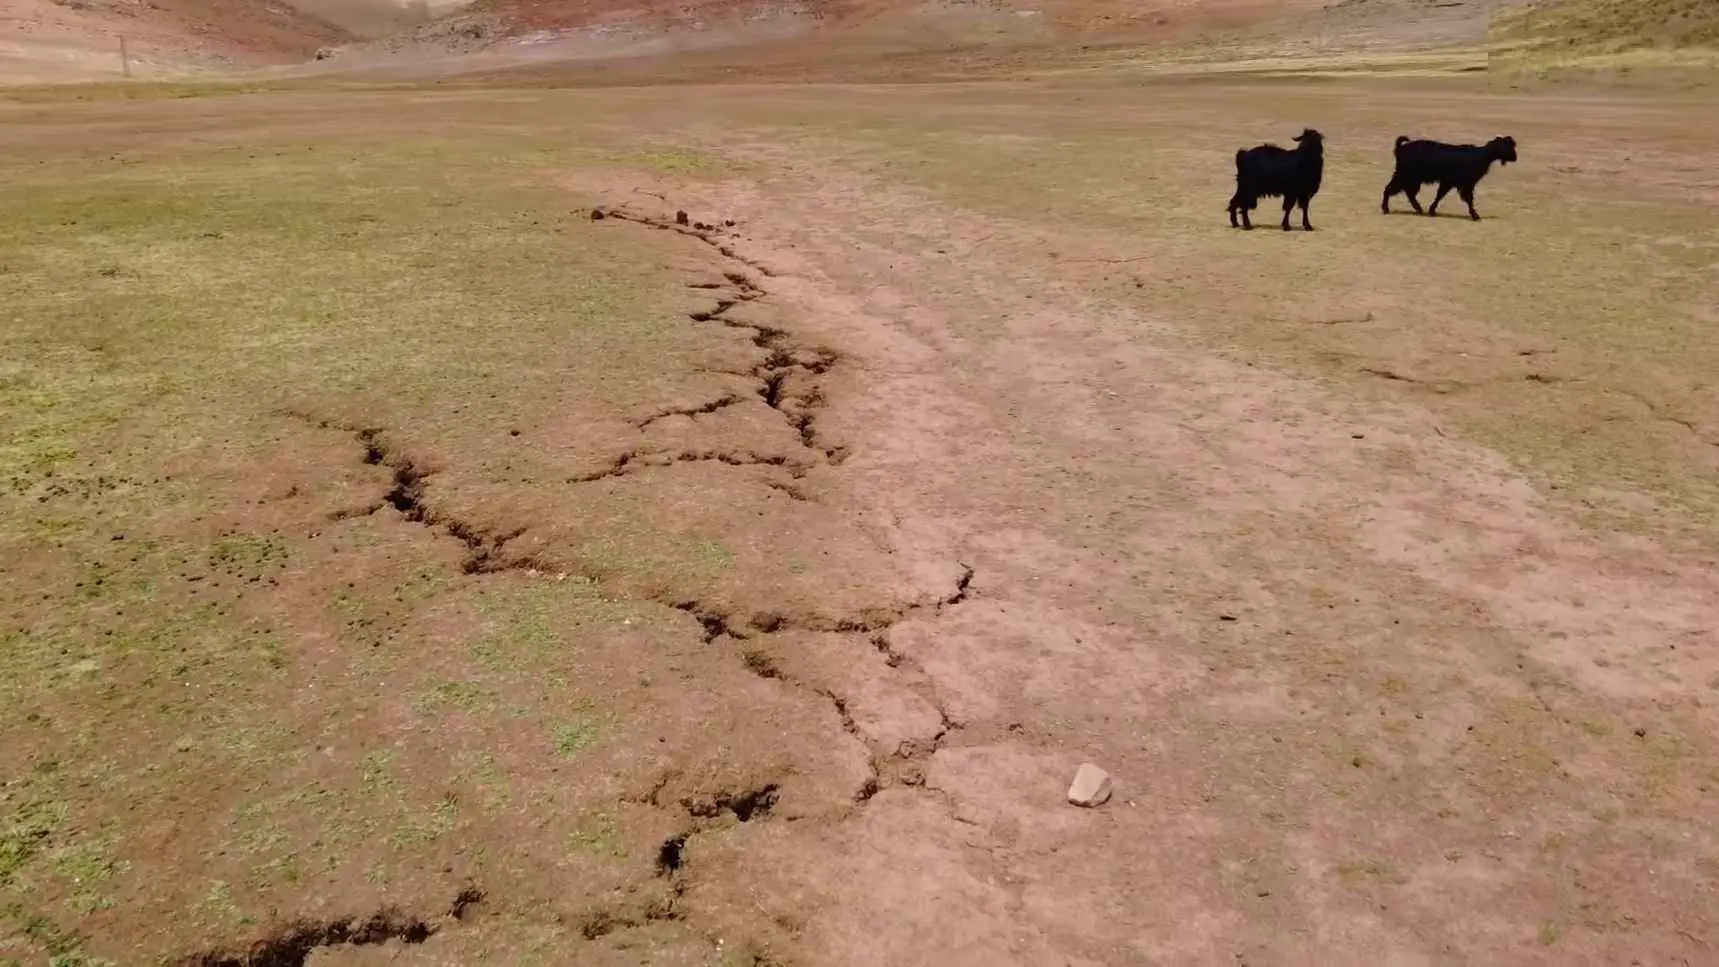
{"x":401,"y":564}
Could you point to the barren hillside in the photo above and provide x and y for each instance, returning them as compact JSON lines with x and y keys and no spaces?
{"x":537,"y":15}
{"x":1614,"y":24}
{"x":60,"y":40}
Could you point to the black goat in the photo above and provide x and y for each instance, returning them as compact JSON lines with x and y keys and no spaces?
{"x":1270,"y":171}
{"x":1459,"y":166}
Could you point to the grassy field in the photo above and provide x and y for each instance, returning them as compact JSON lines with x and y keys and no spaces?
{"x":377,"y":529}
{"x":1569,"y":330}
{"x":223,"y":648}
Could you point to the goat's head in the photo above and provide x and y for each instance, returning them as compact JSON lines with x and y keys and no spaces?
{"x":1311,"y":140}
{"x":1503,"y":149}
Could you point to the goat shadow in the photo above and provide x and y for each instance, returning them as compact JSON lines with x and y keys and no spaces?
{"x":1462,"y":216}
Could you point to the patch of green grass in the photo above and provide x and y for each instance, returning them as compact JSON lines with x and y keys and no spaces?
{"x":410,"y":831}
{"x":284,"y":869}
{"x":264,"y":839}
{"x":273,"y":654}
{"x":86,"y":867}
{"x":489,"y":778}
{"x":598,"y":834}
{"x":378,"y":772}
{"x":64,"y":948}
{"x":423,"y":585}
{"x":218,"y":903}
{"x":533,"y":631}
{"x":30,"y":825}
{"x":572,"y":737}
{"x":100,"y":91}
{"x":1664,"y":764}
{"x":490,"y":656}
{"x":715,"y":557}
{"x":467,"y":696}
{"x":446,"y":815}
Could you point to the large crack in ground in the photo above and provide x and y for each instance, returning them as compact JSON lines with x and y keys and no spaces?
{"x":292,"y":945}
{"x":788,"y":382}
{"x":901,"y":766}
{"x":406,"y":497}
{"x":789,"y":385}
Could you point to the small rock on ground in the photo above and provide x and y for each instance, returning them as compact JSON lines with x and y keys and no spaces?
{"x":1091,"y":786}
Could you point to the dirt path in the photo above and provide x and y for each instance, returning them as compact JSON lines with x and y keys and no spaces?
{"x":1366,"y":699}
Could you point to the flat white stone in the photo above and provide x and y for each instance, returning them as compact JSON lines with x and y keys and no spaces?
{"x":1091,"y":786}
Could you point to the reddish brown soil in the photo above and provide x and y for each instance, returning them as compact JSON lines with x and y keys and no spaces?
{"x":1350,"y":673}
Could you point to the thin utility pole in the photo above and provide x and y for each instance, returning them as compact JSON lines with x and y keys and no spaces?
{"x":124,"y":59}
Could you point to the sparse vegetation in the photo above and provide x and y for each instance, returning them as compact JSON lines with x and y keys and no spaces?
{"x":1480,"y":336}
{"x":175,"y":325}
{"x":29,"y":825}
{"x":571,"y":737}
{"x":87,"y":867}
{"x":1610,"y":26}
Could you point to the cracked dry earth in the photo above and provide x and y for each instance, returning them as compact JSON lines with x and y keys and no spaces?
{"x":791,"y":663}
{"x":1368,"y":698}
{"x":1338,"y":664}
{"x":787,"y":722}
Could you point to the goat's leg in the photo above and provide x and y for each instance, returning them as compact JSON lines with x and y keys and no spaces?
{"x":1288,"y":206}
{"x":1443,"y":190}
{"x":1390,"y":189}
{"x":1413,"y":193}
{"x":1243,"y":204}
{"x":1305,"y":224}
{"x":1467,"y":193}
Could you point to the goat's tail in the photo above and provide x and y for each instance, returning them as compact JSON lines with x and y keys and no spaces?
{"x":1402,"y":139}
{"x":1240,"y":154}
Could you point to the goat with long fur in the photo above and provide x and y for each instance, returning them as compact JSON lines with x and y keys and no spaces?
{"x":1458,"y":166}
{"x":1269,"y":171}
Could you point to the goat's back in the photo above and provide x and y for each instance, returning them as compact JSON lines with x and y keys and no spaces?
{"x":1428,"y":152}
{"x":1263,"y":151}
